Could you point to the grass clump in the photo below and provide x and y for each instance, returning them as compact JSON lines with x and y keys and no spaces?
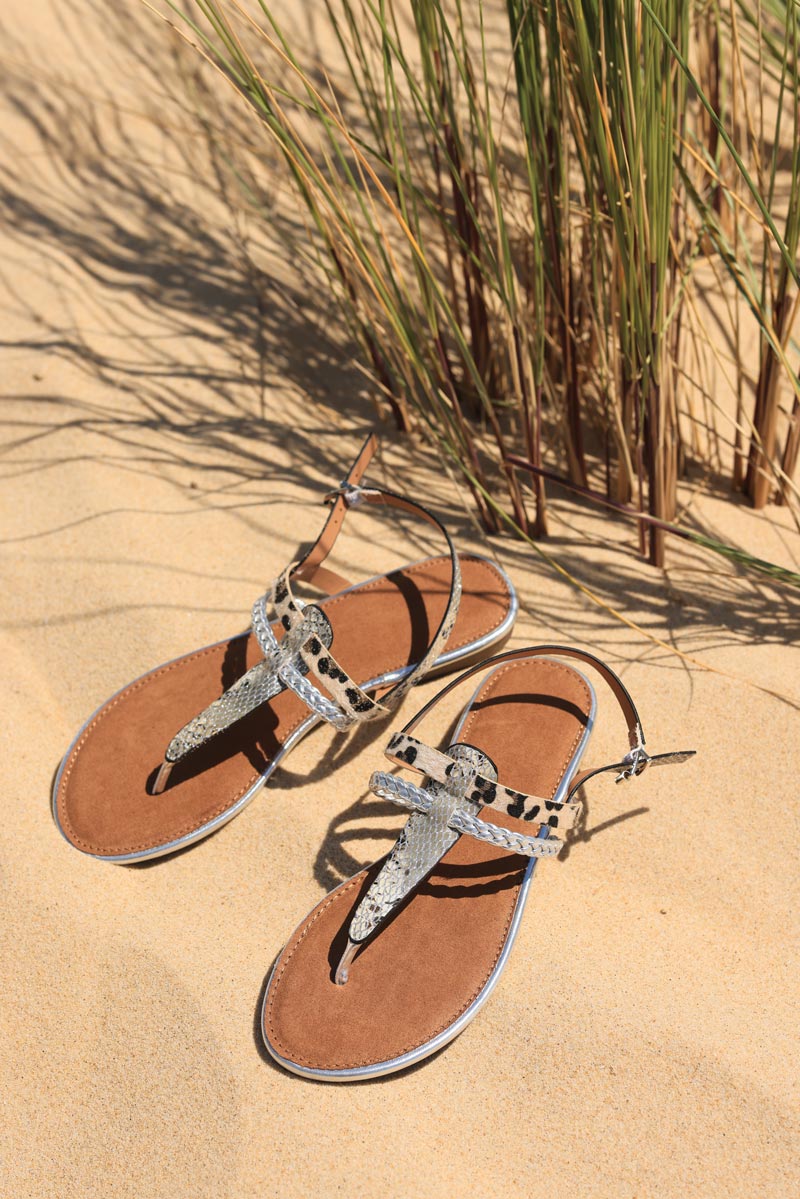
{"x":521,"y":209}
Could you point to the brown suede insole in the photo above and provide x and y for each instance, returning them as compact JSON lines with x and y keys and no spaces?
{"x":434,"y":956}
{"x":104,"y":802}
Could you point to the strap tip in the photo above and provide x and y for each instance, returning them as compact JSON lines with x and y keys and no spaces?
{"x":162,"y":778}
{"x":343,"y":969}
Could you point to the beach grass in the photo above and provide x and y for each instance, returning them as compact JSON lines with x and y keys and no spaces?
{"x":521,"y":209}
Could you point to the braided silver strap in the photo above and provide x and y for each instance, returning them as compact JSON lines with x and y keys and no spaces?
{"x":281,"y":667}
{"x":306,"y":645}
{"x":314,"y":699}
{"x":286,"y":660}
{"x":416,"y":799}
{"x":504,"y":838}
{"x":261,"y":626}
{"x":399,"y":791}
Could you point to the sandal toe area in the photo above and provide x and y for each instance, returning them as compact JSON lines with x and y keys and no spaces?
{"x":407,"y":986}
{"x":104,"y":804}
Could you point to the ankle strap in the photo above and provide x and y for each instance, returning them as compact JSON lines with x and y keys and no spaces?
{"x":309,"y":567}
{"x":635,"y":734}
{"x":350,"y":495}
{"x":629,"y":766}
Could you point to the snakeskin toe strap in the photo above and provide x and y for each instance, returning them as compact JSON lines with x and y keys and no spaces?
{"x":303,"y":653}
{"x":460,"y":786}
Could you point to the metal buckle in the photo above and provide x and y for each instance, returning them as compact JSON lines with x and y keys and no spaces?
{"x":352,"y":495}
{"x":636,"y":761}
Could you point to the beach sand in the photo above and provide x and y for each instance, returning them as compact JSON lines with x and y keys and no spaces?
{"x":172,"y":417}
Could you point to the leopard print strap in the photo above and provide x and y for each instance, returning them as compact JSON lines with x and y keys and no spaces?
{"x":304,"y":649}
{"x":407,"y":751}
{"x":629,"y":766}
{"x":314,"y":652}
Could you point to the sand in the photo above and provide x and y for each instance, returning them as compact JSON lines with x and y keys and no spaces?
{"x":171,"y":418}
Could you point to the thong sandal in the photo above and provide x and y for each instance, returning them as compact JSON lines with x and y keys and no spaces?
{"x":147,"y":774}
{"x":396,"y":962}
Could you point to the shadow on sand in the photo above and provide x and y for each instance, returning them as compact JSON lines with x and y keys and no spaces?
{"x":176,"y":279}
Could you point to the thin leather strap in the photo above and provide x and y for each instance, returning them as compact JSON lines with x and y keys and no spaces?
{"x":635,"y":734}
{"x":381,"y":497}
{"x":309,"y":565}
{"x":349,"y":495}
{"x":516,"y":803}
{"x":623,"y":769}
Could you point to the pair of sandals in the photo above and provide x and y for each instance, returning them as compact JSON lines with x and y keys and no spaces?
{"x":398,"y":960}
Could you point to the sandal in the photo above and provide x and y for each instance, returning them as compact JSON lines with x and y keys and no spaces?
{"x":396,"y":962}
{"x":147,"y":775}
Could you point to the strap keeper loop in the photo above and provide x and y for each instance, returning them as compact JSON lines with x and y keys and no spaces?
{"x":636,"y":761}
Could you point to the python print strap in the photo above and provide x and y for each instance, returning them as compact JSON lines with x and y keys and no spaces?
{"x":305,"y":648}
{"x":427,"y":836}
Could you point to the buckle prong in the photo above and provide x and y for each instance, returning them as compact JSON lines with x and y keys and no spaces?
{"x":353,"y":494}
{"x":636,"y":760}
